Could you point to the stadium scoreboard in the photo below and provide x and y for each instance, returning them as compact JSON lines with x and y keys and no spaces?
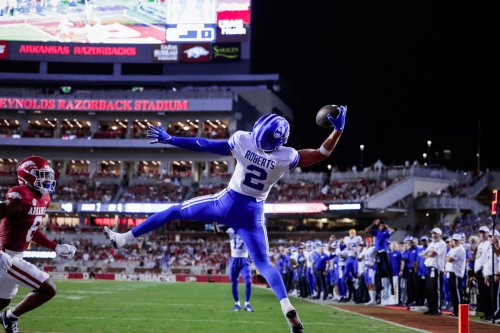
{"x":171,"y":31}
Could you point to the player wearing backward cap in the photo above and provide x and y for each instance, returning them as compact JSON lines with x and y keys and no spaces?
{"x":262,"y":159}
{"x":422,"y":271}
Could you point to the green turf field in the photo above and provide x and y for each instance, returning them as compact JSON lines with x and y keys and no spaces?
{"x":111,"y":306}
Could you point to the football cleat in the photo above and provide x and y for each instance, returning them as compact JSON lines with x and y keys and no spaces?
{"x":294,"y":322}
{"x":9,"y":324}
{"x":249,"y":308}
{"x":117,"y":239}
{"x":236,"y":307}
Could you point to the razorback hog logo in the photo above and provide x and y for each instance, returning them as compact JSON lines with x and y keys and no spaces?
{"x":14,"y":195}
{"x":196,"y":52}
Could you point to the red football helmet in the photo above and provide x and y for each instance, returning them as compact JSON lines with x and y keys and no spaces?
{"x":35,"y":171}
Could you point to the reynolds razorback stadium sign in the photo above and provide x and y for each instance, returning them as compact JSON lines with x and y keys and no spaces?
{"x":89,"y":104}
{"x":94,"y":104}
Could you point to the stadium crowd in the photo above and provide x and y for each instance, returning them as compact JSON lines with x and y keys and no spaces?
{"x":83,"y":188}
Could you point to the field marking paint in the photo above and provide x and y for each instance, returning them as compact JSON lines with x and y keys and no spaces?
{"x":146,"y":23}
{"x":382,"y":320}
{"x":72,"y":297}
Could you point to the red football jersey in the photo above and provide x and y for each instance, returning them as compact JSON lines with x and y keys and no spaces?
{"x":25,"y":213}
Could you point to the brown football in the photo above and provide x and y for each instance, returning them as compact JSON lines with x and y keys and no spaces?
{"x":321,"y":116}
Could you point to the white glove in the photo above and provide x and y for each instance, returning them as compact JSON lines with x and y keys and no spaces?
{"x":5,"y":261}
{"x":66,"y":250}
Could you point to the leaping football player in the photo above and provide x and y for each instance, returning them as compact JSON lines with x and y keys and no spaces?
{"x":262,"y":159}
{"x":21,"y":216}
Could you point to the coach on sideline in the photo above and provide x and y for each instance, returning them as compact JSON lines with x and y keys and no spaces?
{"x":455,"y":270}
{"x":434,"y":261}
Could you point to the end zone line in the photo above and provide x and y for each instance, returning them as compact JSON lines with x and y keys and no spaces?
{"x":331,"y":306}
{"x":375,"y":318}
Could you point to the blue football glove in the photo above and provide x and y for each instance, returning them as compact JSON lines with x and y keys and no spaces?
{"x":339,"y":121}
{"x":158,"y":135}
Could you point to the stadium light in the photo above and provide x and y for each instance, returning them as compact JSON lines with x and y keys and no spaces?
{"x":345,"y":206}
{"x":429,"y":143}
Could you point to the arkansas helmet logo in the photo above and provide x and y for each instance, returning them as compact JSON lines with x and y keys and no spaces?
{"x":27,"y":164}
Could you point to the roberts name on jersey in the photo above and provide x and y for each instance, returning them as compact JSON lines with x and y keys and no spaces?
{"x":259,"y":160}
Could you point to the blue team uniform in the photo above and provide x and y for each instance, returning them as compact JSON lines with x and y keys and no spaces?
{"x":396,"y":258}
{"x":351,"y":265}
{"x":241,"y":205}
{"x":239,"y":264}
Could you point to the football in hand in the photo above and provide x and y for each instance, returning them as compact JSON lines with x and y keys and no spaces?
{"x":321,"y":116}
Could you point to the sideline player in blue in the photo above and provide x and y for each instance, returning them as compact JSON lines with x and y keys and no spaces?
{"x":239,"y":264}
{"x":262,"y":159}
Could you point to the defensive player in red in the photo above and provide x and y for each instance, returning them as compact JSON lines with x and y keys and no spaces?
{"x":21,"y":216}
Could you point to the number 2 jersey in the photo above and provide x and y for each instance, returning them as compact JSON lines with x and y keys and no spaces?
{"x":20,"y":222}
{"x":257,"y":171}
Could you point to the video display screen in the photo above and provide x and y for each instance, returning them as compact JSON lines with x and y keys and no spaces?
{"x":125,"y":21}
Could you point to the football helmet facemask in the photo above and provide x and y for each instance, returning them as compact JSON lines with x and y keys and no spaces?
{"x":36,"y":172}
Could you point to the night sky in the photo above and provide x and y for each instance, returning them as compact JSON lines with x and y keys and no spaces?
{"x":409,"y":72}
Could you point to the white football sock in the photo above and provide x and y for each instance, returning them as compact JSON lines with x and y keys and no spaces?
{"x":372,"y":295}
{"x":247,"y":303}
{"x":129,"y":235}
{"x":10,"y":314}
{"x":237,"y":303}
{"x":286,"y":306}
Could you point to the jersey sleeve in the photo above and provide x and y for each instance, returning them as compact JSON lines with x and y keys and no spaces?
{"x":294,"y":159}
{"x":234,"y":140}
{"x":237,"y":145}
{"x":41,"y":239}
